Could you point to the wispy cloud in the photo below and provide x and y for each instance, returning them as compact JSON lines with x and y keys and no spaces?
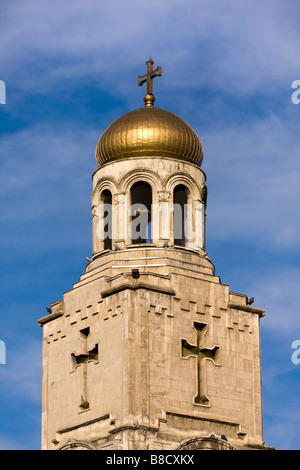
{"x":39,"y":165}
{"x":278,"y":291}
{"x":253,"y":172}
{"x":237,"y":47}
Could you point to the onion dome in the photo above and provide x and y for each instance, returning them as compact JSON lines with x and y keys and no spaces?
{"x":149,"y":132}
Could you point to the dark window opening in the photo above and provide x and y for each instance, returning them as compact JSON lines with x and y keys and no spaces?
{"x":141,"y":201}
{"x":107,"y":202}
{"x":180,"y":215}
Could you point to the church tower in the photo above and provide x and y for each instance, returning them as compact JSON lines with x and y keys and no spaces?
{"x":149,"y":350}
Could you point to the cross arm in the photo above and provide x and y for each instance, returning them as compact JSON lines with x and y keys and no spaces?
{"x":188,"y":349}
{"x":142,"y":79}
{"x":157,"y":72}
{"x":154,"y":73}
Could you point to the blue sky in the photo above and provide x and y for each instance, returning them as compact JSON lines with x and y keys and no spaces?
{"x":70,"y":69}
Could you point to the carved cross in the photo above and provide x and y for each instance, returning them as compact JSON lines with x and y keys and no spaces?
{"x":148,"y":77}
{"x":201,"y":353}
{"x":81,"y":360}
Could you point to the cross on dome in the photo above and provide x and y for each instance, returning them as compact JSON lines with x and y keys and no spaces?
{"x":148,"y":78}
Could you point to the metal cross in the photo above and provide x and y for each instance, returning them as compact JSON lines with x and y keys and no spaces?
{"x":148,"y":77}
{"x":201,"y":354}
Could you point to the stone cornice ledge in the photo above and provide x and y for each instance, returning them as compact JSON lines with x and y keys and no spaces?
{"x":127,"y":427}
{"x":246,"y":308}
{"x":85,"y":423}
{"x":49,"y":317}
{"x":200,"y":418}
{"x":135,"y":286}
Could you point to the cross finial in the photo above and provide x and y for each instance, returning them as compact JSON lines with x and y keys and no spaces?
{"x":148,"y":77}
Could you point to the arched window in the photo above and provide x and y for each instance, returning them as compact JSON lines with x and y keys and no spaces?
{"x":140,"y":211}
{"x":180,"y":200}
{"x":107,"y":219}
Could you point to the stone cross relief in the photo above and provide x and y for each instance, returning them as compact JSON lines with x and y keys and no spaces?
{"x":202,"y":354}
{"x":80,"y":361}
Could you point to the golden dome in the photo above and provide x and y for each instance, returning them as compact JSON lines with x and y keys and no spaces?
{"x":149,"y":131}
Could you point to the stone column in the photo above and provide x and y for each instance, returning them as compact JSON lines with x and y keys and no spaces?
{"x":200,"y":225}
{"x":98,"y":242}
{"x":162,"y":217}
{"x":121,"y":221}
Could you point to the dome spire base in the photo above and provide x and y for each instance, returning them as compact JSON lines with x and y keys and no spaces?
{"x":149,"y":100}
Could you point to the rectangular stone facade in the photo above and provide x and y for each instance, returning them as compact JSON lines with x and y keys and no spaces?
{"x":122,"y":367}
